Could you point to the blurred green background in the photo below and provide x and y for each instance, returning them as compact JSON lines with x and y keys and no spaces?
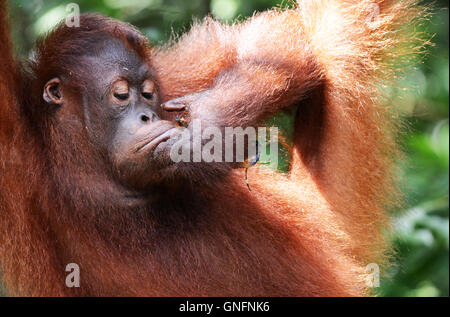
{"x":421,"y":236}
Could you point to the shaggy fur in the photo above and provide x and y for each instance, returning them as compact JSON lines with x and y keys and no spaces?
{"x":308,"y":233}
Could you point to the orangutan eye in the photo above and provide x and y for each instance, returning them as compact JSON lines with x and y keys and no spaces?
{"x":122,"y":96}
{"x":147,"y":95}
{"x":121,"y":90}
{"x":148,"y":89}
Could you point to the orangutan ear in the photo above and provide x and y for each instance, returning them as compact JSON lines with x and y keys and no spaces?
{"x":52,"y":92}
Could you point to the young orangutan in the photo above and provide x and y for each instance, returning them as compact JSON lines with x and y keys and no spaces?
{"x":87,"y":179}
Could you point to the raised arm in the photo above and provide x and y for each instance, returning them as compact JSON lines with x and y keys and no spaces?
{"x":329,"y":58}
{"x":244,"y":73}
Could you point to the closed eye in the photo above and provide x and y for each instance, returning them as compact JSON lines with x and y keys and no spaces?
{"x":122,"y":96}
{"x":147,"y":95}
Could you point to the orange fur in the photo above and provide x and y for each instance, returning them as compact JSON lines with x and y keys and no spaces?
{"x":332,"y":59}
{"x":310,"y":233}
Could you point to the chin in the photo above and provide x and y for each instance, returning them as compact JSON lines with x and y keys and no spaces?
{"x":188,"y":174}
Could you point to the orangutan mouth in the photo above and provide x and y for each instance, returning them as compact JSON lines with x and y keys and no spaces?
{"x":154,"y":142}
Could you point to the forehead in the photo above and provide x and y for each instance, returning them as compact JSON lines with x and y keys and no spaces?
{"x":112,"y":58}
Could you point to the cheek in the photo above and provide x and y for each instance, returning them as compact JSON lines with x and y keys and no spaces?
{"x":100,"y":132}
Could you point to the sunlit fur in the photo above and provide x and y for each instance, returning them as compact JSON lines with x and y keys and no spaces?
{"x":309,"y":233}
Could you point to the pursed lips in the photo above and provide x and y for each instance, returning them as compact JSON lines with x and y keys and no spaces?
{"x":160,"y":131}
